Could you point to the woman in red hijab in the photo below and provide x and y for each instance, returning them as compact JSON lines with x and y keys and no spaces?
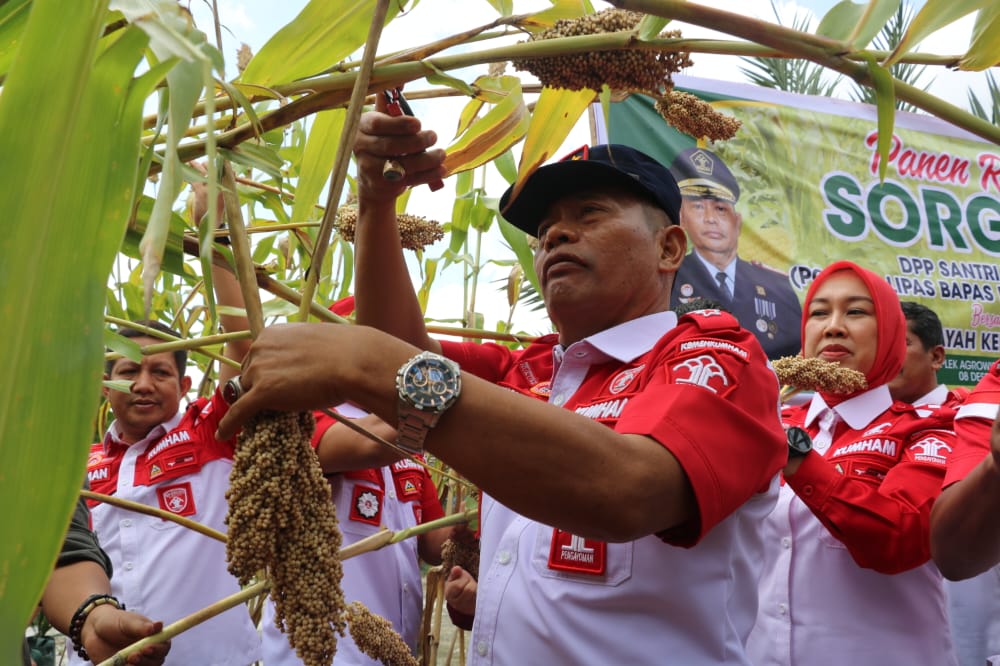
{"x":847,"y":578}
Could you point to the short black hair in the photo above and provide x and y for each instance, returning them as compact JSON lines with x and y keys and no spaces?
{"x":700,"y":303}
{"x":924,"y":323}
{"x":180,"y":355}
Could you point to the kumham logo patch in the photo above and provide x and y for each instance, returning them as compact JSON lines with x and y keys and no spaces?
{"x":409,"y":485}
{"x":177,"y":498}
{"x":572,"y":553}
{"x":877,"y":430}
{"x":931,"y":449}
{"x":623,"y":379}
{"x":366,"y":505}
{"x":704,"y":371}
{"x":542,"y":388}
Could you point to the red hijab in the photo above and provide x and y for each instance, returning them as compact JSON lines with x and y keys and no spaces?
{"x":890,"y":349}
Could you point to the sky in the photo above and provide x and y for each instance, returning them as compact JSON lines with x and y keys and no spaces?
{"x":254,"y":21}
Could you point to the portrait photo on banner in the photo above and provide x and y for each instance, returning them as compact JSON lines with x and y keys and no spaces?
{"x":798,"y":186}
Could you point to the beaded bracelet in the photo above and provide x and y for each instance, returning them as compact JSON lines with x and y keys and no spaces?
{"x":80,"y":617}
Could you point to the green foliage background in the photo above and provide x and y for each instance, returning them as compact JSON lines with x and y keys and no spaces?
{"x":90,"y":235}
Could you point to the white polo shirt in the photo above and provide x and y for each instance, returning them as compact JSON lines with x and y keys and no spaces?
{"x":549,"y":597}
{"x":161,"y":569}
{"x":818,"y":607}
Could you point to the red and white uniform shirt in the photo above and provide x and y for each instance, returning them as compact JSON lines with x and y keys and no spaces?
{"x":975,"y":602}
{"x":388,"y":581}
{"x":702,"y":389}
{"x":973,"y":424}
{"x":847,"y":577}
{"x":161,"y":569}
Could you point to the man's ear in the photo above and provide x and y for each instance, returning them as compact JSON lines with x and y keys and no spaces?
{"x":673,"y":247}
{"x":937,"y":357}
{"x":185,"y":384}
{"x":105,"y":389}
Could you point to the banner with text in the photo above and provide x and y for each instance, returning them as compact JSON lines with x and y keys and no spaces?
{"x":809,"y":194}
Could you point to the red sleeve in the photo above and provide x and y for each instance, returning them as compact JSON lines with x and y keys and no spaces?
{"x":459,"y":619}
{"x":725,"y":431}
{"x":973,"y":425}
{"x":323,"y":423}
{"x":972,"y":447}
{"x":430,"y":505}
{"x":488,"y":360}
{"x":886,"y":526}
{"x":207,"y":414}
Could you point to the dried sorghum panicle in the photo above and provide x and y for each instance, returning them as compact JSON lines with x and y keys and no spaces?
{"x":641,"y":70}
{"x":375,"y":637}
{"x":243,"y":56}
{"x":415,"y":232}
{"x":462,"y":553}
{"x":696,"y":117}
{"x":814,"y":374}
{"x":282,"y":521}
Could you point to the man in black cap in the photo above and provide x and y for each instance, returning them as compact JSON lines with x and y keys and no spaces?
{"x":761,"y":298}
{"x":625,"y":461}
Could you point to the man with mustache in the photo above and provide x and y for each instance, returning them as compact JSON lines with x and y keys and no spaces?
{"x":617,"y":525}
{"x":759,"y":297}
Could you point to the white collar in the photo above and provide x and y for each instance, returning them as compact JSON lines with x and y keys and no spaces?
{"x":114,"y":433}
{"x":858,"y":411}
{"x":937,"y":396}
{"x":627,"y":341}
{"x":729,"y":270}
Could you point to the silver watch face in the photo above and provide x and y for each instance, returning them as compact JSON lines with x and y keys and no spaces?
{"x":430,"y":384}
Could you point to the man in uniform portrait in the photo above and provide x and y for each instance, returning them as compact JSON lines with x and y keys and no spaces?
{"x":761,"y":298}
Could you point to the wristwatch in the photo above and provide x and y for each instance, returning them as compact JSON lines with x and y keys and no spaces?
{"x":428,"y":384}
{"x":799,"y":442}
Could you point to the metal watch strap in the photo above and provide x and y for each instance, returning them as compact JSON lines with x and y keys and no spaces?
{"x":412,"y":428}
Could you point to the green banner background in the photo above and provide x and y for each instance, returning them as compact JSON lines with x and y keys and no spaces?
{"x":810,"y":195}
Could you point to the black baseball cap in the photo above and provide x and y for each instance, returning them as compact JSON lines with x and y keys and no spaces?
{"x":588,"y":168}
{"x":702,"y":174}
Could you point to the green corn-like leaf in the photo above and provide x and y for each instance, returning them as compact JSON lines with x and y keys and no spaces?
{"x":650,"y":27}
{"x":324,"y":33}
{"x":430,"y":272}
{"x":482,"y":214}
{"x":518,"y":241}
{"x":13,"y":18}
{"x":124,"y":346}
{"x":256,"y":155}
{"x":172,"y":36}
{"x":560,"y":9}
{"x":503,"y":7}
{"x":69,"y":174}
{"x":493,"y":134}
{"x":118,"y":385}
{"x":506,"y":166}
{"x":984,"y":51}
{"x":317,"y":162}
{"x":857,"y":24}
{"x":440,"y":78}
{"x":885,"y":102}
{"x":556,"y":112}
{"x":934,"y":15}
